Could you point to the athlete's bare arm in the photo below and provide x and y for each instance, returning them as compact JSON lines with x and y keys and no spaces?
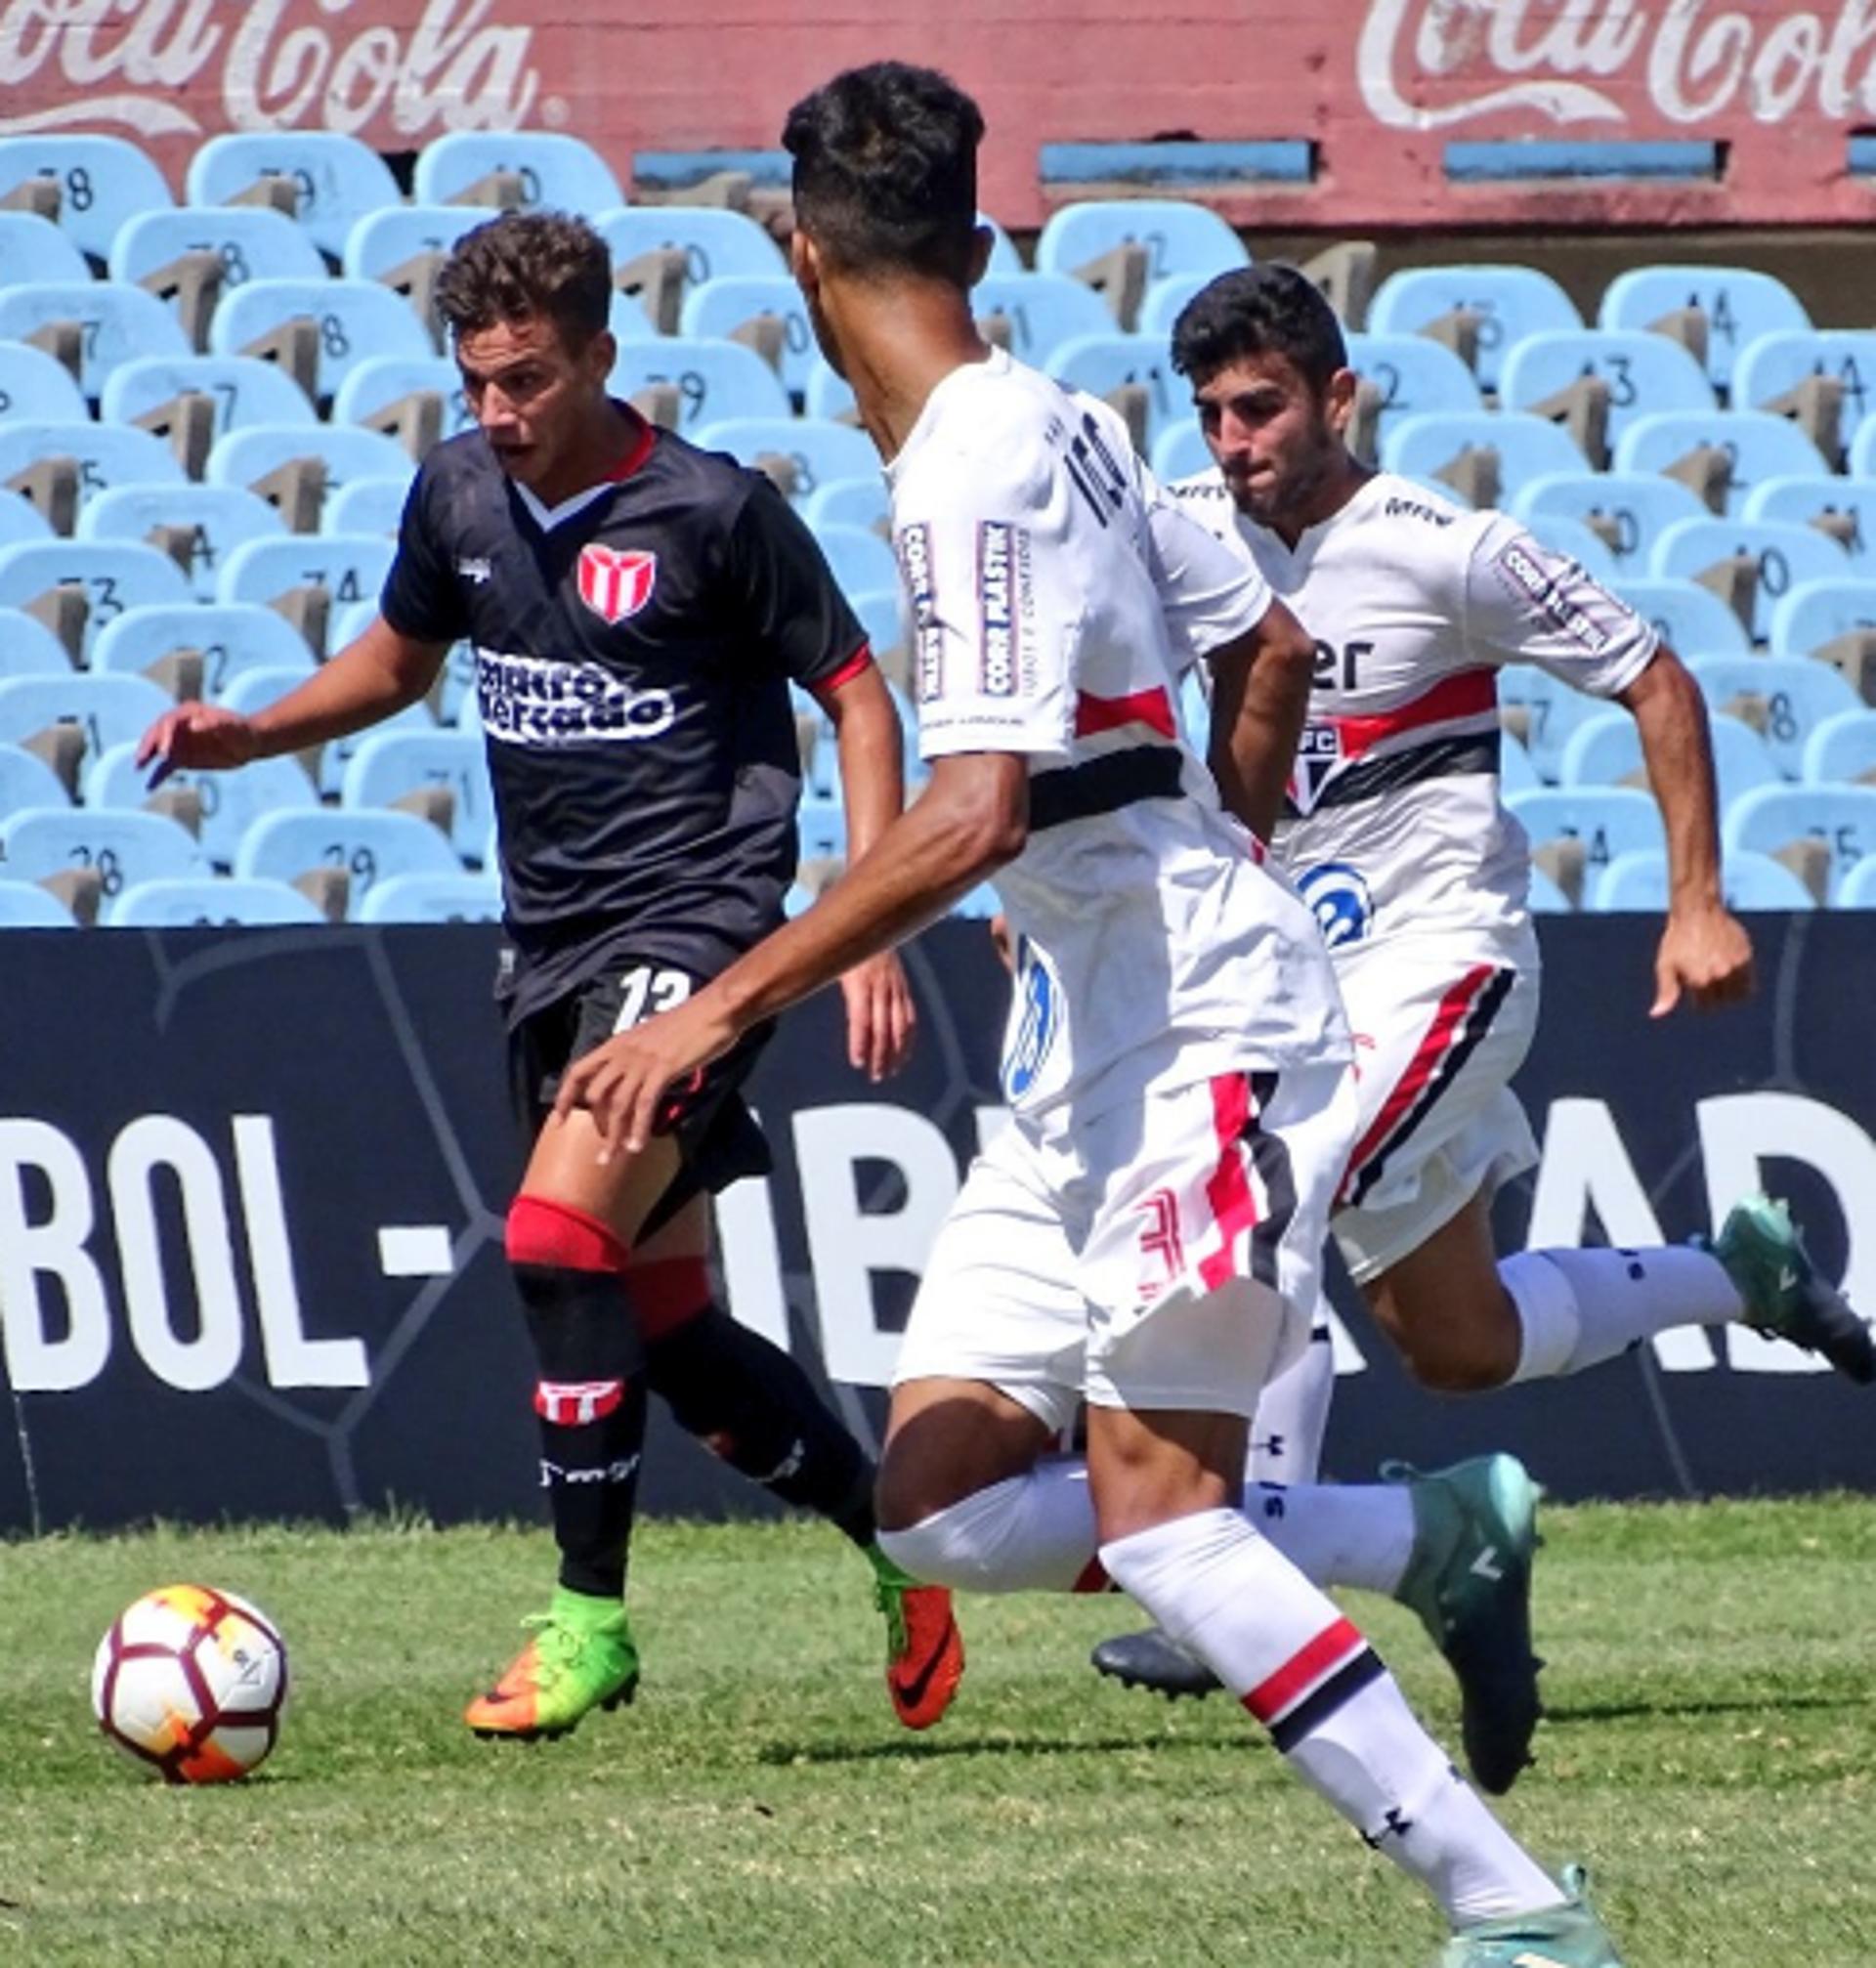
{"x":872,"y":788}
{"x":1704,"y":949}
{"x":368,"y":681}
{"x":1260,"y":699}
{"x":973,"y":817}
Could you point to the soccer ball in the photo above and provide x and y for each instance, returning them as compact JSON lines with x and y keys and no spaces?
{"x":190,"y":1682}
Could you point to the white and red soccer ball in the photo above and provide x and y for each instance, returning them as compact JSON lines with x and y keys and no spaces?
{"x":190,"y":1683}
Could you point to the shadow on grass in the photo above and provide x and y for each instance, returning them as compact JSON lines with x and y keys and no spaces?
{"x":1766,"y":1706}
{"x":916,"y":1748}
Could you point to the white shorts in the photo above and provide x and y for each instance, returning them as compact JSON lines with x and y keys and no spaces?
{"x":1168,"y":1255}
{"x":1437,"y":1037}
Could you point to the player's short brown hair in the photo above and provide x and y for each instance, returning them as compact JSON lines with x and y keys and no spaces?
{"x":528,"y":266}
{"x":1270,"y":309}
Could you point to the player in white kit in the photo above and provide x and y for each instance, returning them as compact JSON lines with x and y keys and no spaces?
{"x":1393,"y":830}
{"x":1147,"y":1230}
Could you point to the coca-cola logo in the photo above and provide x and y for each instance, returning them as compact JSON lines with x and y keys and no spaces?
{"x":146,"y":64}
{"x":1426,"y":65}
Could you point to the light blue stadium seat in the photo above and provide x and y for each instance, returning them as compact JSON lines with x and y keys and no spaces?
{"x":253,"y":242}
{"x":416,"y":720}
{"x":557,"y":172}
{"x":1042,"y":311}
{"x":43,"y":842}
{"x":432,"y":898}
{"x":26,"y":780}
{"x":388,"y":765}
{"x":102,"y":181}
{"x":1740,"y":305}
{"x":1606,"y":751}
{"x":1792,"y":695}
{"x":1572,"y":538}
{"x":29,"y":648}
{"x":1641,"y":506}
{"x":820,"y":453}
{"x":1860,"y":460}
{"x":1857,"y":889}
{"x":231,"y":801}
{"x":252,"y":690}
{"x":107,"y":455}
{"x":1608,"y":819}
{"x":830,"y":395}
{"x":1841,"y":748}
{"x":1771,"y":365}
{"x":1813,"y":613}
{"x":20,"y":519}
{"x":107,"y":709}
{"x":721,"y":306}
{"x":458,"y":706}
{"x":32,"y":249}
{"x":24,"y":905}
{"x":1179,"y":237}
{"x":977,"y":905}
{"x":1181,"y":453}
{"x":796,"y":902}
{"x":208,"y":901}
{"x":1516,"y":772}
{"x":1843,"y":817}
{"x":34,"y":384}
{"x":1760,"y":446}
{"x":1413,"y":375}
{"x":245,"y":390}
{"x":856,"y":502}
{"x":1003,"y":256}
{"x":116,"y":324}
{"x":367,"y":505}
{"x":337,"y":178}
{"x":715,"y":242}
{"x":1802,"y":501}
{"x":357,"y":319}
{"x":1546,"y":898}
{"x":820,"y":746}
{"x":380,"y":242}
{"x":1638,"y":883}
{"x":1554,"y":710}
{"x":1788,"y":557}
{"x":220,"y":519}
{"x":1100,"y":365}
{"x":859,"y":558}
{"x":1644,"y":372}
{"x":1692,"y":621}
{"x":115,"y":575}
{"x":232,"y":641}
{"x":245,"y":457}
{"x":883,"y":615}
{"x":350,"y":567}
{"x":379,"y":381}
{"x":714,"y":379}
{"x":1420,"y":447}
{"x":821,"y":824}
{"x":370,"y":844}
{"x":1167,"y":300}
{"x":1513,"y":301}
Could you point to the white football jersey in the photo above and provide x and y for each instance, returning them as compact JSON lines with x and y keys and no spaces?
{"x":1393,"y":823}
{"x":1056,"y":595}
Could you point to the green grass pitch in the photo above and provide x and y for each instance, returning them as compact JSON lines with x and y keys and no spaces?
{"x":1711,"y":1750}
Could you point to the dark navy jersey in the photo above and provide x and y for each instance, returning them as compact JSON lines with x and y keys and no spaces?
{"x":633,"y":652}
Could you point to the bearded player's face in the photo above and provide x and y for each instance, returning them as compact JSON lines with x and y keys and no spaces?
{"x":1276,"y":438}
{"x":536,"y":399}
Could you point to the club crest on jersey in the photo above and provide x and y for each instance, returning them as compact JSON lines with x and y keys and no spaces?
{"x":615,"y":583}
{"x":1340,"y":901}
{"x":1318,"y":753}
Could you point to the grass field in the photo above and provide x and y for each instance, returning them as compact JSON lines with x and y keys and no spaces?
{"x":1710,"y":1748}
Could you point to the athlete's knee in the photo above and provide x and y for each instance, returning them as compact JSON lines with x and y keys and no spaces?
{"x":1465,"y":1343}
{"x":940,"y":1451}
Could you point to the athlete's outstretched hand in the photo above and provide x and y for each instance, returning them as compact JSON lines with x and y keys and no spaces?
{"x":881,"y":1018}
{"x":622,"y":1084}
{"x":196,"y":736}
{"x":1706,"y":953}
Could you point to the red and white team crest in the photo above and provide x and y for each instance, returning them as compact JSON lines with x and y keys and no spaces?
{"x":573,"y":1403}
{"x":615,"y":583}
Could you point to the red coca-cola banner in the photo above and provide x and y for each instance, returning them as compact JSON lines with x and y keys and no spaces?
{"x":1379,"y":88}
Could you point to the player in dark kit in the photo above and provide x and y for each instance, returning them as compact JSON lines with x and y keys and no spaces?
{"x":638,"y":609}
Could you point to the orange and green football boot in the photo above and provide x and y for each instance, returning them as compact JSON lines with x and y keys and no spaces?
{"x":924,"y":1650}
{"x":579,"y":1656}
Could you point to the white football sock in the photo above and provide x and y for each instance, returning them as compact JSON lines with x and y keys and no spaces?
{"x":1225,"y":1593}
{"x":1031,"y":1533}
{"x":1293,"y":1416}
{"x":1357,"y":1534}
{"x":1580,"y":1307}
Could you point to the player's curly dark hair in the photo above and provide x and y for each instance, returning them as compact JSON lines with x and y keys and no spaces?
{"x":527,"y":266}
{"x":1271,"y":309}
{"x":885,"y":171}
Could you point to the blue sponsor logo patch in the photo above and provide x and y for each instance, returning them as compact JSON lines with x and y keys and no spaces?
{"x":1345,"y":909}
{"x":1032,"y":1027}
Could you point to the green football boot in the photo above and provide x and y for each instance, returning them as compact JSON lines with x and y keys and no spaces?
{"x":1569,"y":1936}
{"x":1763,"y":1251}
{"x":1470,"y":1581}
{"x":579,"y":1656}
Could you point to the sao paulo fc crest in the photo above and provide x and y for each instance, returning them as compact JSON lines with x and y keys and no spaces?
{"x":615,"y":583}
